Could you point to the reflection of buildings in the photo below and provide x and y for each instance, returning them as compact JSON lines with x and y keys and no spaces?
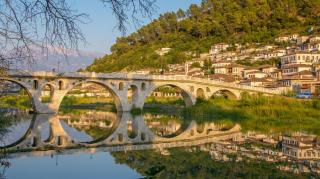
{"x":90,"y":119}
{"x":301,"y":146}
{"x":162,"y":125}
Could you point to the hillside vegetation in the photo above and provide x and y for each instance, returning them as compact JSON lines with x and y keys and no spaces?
{"x":193,"y":31}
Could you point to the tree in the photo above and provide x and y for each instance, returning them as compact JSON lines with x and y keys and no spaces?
{"x":26,"y":25}
{"x":181,"y":14}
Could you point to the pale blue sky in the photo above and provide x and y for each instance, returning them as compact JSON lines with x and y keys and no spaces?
{"x":101,"y":33}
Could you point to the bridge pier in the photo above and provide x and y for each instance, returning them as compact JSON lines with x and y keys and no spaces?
{"x":51,"y":107}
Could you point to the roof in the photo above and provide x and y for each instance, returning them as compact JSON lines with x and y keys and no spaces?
{"x":295,"y":66}
{"x":301,"y":53}
{"x":251,"y":68}
{"x":305,"y":74}
{"x":266,"y":66}
{"x":222,"y":77}
{"x":233,"y":65}
{"x":252,"y":72}
{"x":222,"y":61}
{"x":255,"y":80}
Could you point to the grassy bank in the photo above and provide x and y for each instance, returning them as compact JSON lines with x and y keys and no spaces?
{"x":88,"y":103}
{"x":261,"y":113}
{"x":176,"y":101}
{"x":16,"y":101}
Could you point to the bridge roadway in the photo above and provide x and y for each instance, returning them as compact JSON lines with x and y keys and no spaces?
{"x":119,"y":84}
{"x":119,"y":139}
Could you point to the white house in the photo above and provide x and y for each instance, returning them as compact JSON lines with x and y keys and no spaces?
{"x":300,"y":58}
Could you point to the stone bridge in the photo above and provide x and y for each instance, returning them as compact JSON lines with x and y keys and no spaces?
{"x":118,"y":84}
{"x":119,"y":139}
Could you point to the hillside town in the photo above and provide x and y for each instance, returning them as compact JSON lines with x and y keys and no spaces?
{"x":292,"y":64}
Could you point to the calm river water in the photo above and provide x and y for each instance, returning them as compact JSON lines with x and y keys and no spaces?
{"x":99,"y":144}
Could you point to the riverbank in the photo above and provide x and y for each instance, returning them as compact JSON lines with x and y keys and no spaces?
{"x":253,"y":112}
{"x":274,"y":114}
{"x":22,"y":102}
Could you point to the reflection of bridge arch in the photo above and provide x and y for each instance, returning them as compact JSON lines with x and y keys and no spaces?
{"x":108,"y":87}
{"x":115,"y":120}
{"x":174,"y":126}
{"x":188,"y":97}
{"x":60,"y":138}
{"x":32,"y":137}
{"x":23,"y":138}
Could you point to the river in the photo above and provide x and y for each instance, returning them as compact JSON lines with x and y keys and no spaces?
{"x":103,"y":144}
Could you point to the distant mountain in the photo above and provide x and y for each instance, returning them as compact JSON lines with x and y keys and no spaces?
{"x":57,"y":60}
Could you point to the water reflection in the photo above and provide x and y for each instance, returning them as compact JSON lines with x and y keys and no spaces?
{"x":14,"y":125}
{"x":168,"y":135}
{"x":165,"y":125}
{"x":87,"y":126}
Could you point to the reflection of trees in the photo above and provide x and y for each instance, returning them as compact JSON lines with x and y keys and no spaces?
{"x":198,"y":164}
{"x":7,"y":119}
{"x":165,"y":125}
{"x":96,"y":124}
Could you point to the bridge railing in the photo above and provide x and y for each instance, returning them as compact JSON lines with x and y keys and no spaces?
{"x":219,"y":83}
{"x":141,"y":77}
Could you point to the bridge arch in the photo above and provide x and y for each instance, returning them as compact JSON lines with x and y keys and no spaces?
{"x":28,"y":90}
{"x":187,"y":96}
{"x":113,"y":92}
{"x":225,"y":93}
{"x":47,"y":92}
{"x":200,"y":93}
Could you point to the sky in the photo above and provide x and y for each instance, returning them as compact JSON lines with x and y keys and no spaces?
{"x":101,"y":31}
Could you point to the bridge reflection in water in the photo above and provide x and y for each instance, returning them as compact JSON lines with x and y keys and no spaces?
{"x":128,"y":139}
{"x":116,"y":132}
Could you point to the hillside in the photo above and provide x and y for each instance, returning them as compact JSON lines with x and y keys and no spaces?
{"x":193,"y":31}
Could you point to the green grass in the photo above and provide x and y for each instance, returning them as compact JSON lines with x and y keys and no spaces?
{"x":165,"y":100}
{"x":16,"y":101}
{"x":260,"y":113}
{"x":88,"y":103}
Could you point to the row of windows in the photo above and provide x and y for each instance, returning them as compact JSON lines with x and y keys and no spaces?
{"x":307,"y":58}
{"x":302,"y":154}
